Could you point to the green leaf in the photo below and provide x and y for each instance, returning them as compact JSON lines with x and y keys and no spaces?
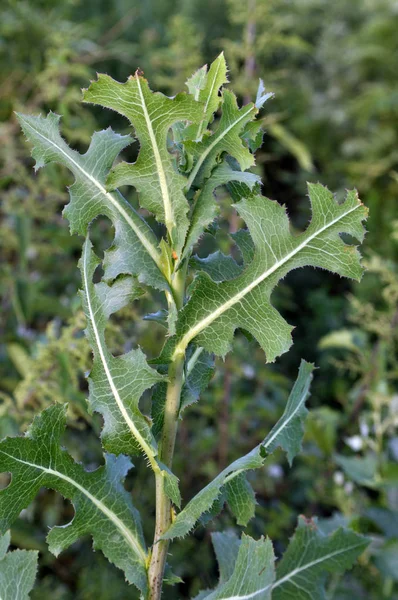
{"x":205,"y":88}
{"x":215,"y":310}
{"x":220,"y":267}
{"x":361,"y":469}
{"x":241,"y":499}
{"x":103,"y":508}
{"x":226,"y":138}
{"x":300,"y":574}
{"x":134,"y":249}
{"x":287,"y":433}
{"x":159,"y":185}
{"x":116,"y":383}
{"x":250,"y":572}
{"x":17,"y":571}
{"x":386,"y":560}
{"x":205,"y":208}
{"x":226,"y":547}
{"x":310,"y":556}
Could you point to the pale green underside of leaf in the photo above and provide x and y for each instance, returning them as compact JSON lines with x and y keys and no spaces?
{"x":159,"y":185}
{"x":103,"y":509}
{"x":17,"y":571}
{"x":135,"y":247}
{"x":287,"y":434}
{"x":215,"y":310}
{"x":247,"y":567}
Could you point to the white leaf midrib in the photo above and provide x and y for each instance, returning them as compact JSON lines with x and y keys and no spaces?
{"x":192,"y":333}
{"x":313,"y":563}
{"x":292,"y":574}
{"x":130,"y":423}
{"x":147,"y":245}
{"x":168,"y":209}
{"x":201,"y":124}
{"x":127,"y":534}
{"x":216,"y":141}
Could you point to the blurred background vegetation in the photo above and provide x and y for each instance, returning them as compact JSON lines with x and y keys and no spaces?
{"x":333,"y":67}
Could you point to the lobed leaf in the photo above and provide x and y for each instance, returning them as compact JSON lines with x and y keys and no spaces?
{"x":17,"y":571}
{"x":287,"y":433}
{"x":310,"y":556}
{"x":116,"y":383}
{"x":135,"y":247}
{"x":226,"y":138}
{"x":247,"y":567}
{"x":103,"y":508}
{"x":205,"y":86}
{"x":215,"y":310}
{"x":159,"y":185}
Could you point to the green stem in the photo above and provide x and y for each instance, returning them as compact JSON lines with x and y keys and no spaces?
{"x":166,"y":452}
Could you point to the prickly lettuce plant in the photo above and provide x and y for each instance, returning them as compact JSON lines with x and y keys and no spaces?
{"x":184,"y":156}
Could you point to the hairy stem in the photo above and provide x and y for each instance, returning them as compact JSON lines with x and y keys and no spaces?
{"x":166,"y":452}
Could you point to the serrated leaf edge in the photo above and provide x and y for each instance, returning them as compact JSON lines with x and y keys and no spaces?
{"x":155,"y":255}
{"x":194,"y":331}
{"x":127,"y":534}
{"x":149,"y":452}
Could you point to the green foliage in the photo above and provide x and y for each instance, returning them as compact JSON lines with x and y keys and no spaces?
{"x":332,"y":67}
{"x":103,"y":508}
{"x":177,"y":187}
{"x":17,"y":571}
{"x":287,"y":433}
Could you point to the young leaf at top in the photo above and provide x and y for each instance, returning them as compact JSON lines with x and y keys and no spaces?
{"x":215,"y":310}
{"x":226,"y":138}
{"x":17,"y":571}
{"x":205,"y":86}
{"x":135,"y":247}
{"x":310,"y":556}
{"x":103,"y":508}
{"x":287,"y":434}
{"x":154,"y":175}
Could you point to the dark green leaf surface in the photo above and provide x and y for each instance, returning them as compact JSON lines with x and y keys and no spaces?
{"x":205,"y":208}
{"x":116,"y":383}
